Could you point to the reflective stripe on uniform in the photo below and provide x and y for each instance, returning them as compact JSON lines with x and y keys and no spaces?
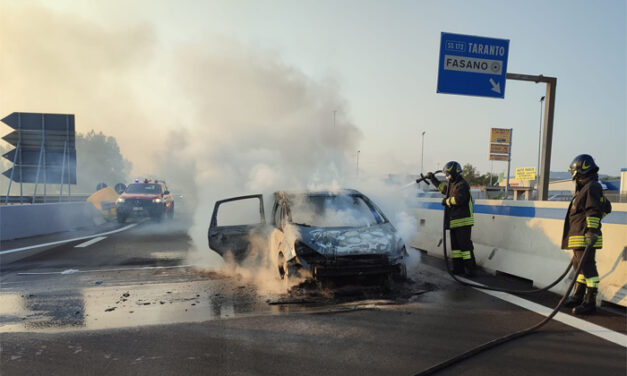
{"x":441,"y":187}
{"x":468,"y":221}
{"x":592,"y":222}
{"x":579,"y":241}
{"x":453,"y":201}
{"x":581,"y":278}
{"x":456,"y":254}
{"x":466,"y":255}
{"x":592,"y":282}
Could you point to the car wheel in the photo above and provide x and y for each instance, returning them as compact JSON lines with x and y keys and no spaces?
{"x":121,"y":218}
{"x":281,"y":265}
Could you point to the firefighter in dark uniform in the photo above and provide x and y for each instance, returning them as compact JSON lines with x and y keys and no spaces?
{"x":460,"y":217}
{"x":582,"y":229}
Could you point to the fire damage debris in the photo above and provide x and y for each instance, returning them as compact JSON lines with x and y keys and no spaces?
{"x":317,"y":293}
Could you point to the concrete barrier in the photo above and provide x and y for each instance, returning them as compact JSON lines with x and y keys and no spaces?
{"x":21,"y":221}
{"x":523,"y":238}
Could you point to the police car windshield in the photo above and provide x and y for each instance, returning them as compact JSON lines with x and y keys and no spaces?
{"x":143,"y":188}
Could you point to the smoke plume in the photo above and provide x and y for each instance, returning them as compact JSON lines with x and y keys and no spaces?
{"x":215,"y":118}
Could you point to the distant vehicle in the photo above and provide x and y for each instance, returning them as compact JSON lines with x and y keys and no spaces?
{"x":312,"y":234}
{"x":147,"y":198}
{"x":561,"y":197}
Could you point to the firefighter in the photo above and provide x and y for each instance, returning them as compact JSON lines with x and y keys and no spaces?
{"x":582,"y":229}
{"x":459,"y":217}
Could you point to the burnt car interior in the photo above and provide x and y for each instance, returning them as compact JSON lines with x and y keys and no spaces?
{"x":329,"y":210}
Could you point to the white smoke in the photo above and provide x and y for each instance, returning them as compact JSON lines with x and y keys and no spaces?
{"x":214,"y":118}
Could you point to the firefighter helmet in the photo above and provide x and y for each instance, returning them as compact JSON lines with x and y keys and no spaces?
{"x":582,"y":165}
{"x":453,"y":169}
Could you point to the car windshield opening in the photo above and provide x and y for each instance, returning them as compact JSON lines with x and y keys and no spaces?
{"x":144,"y":188}
{"x":333,"y":211}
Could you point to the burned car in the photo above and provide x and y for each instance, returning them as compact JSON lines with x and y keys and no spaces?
{"x":321,"y":234}
{"x":147,"y":198}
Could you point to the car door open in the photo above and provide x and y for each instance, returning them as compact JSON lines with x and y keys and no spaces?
{"x":234,"y":223}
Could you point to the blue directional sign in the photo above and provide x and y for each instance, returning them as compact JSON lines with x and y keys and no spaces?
{"x":471,"y":65}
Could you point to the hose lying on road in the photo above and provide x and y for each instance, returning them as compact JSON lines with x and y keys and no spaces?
{"x":499,"y":341}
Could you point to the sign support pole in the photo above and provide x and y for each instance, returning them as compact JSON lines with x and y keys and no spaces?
{"x":547,"y":138}
{"x":509,"y":160}
{"x":62,"y":170}
{"x":67,"y":139}
{"x":43,"y":145}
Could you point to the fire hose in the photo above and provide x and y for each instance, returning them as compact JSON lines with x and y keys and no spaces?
{"x":488,"y":345}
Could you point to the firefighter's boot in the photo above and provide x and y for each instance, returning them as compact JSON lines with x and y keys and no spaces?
{"x":469,"y":267}
{"x":577,"y":297}
{"x":589,"y":305}
{"x":458,"y":266}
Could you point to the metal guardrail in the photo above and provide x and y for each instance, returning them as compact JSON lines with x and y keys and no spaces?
{"x":12,"y":200}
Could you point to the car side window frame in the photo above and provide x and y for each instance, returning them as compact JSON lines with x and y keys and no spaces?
{"x":276,"y":210}
{"x":283,"y":216}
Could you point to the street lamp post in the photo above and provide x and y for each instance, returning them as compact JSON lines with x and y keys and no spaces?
{"x":539,"y":149}
{"x":422,"y":151}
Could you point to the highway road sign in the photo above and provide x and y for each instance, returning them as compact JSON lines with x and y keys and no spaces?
{"x":472,"y":65}
{"x":500,"y":135}
{"x":526,"y":173}
{"x":499,"y":148}
{"x":31,"y":156}
{"x":44,"y":148}
{"x":28,"y":174}
{"x":33,"y":121}
{"x":499,"y":157}
{"x":55,"y":141}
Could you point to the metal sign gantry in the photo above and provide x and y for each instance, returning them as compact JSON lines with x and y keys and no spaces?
{"x":547,"y":138}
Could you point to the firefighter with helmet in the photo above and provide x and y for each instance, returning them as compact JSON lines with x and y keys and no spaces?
{"x":582,"y":230}
{"x":459,"y":217}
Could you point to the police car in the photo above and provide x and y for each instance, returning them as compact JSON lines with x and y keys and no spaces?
{"x":145,"y":198}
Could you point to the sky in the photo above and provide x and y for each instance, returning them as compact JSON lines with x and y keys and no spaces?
{"x":372,"y":65}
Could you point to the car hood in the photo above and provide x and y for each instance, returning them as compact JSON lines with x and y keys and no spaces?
{"x":139,"y":196}
{"x":345,"y":241}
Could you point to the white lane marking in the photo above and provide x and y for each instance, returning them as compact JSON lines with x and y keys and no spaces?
{"x":90,"y":242}
{"x":595,"y":330}
{"x":67,"y":240}
{"x":107,"y":270}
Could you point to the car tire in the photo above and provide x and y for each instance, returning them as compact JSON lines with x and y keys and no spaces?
{"x":121,"y":218}
{"x":281,"y":266}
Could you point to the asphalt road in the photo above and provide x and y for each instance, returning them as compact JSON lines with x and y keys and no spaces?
{"x":139,"y":302}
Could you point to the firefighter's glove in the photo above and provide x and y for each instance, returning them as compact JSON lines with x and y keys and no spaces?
{"x":444,"y":203}
{"x":434,"y":180}
{"x":591,"y":239}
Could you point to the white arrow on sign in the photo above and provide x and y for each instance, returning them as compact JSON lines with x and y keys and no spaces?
{"x":496,"y":86}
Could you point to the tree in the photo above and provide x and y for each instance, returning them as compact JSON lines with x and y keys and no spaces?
{"x":471,"y":175}
{"x":475,"y":179}
{"x":488,"y":177}
{"x":98,"y":160}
